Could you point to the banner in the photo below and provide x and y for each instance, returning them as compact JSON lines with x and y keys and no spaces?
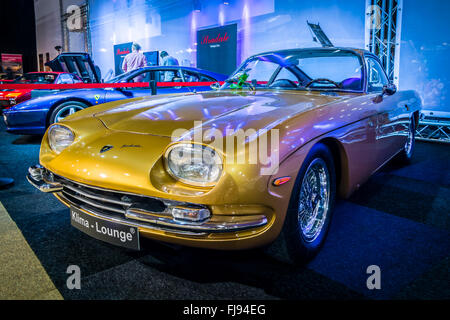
{"x":216,"y":49}
{"x":11,"y":63}
{"x":120,"y":51}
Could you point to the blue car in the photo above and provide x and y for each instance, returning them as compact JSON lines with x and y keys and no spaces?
{"x":35,"y":115}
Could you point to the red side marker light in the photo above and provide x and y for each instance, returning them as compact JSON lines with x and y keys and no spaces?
{"x":279,"y":181}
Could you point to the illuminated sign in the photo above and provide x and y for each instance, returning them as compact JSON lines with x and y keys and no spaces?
{"x":217,"y":49}
{"x":207,"y":40}
{"x":120,"y":51}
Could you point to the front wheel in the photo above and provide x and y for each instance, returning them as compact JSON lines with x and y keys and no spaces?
{"x":310,"y":209}
{"x":406,"y":154}
{"x":65,"y":109}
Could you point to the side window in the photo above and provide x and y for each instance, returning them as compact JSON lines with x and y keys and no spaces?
{"x":65,"y":79}
{"x":261,"y":70}
{"x":286,"y":74}
{"x":141,"y":77}
{"x":168,"y":76}
{"x":75,"y":79}
{"x":376,"y":77}
{"x":191,"y":76}
{"x":204,"y":78}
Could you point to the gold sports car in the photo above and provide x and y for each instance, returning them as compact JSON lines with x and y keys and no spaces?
{"x":257,"y":162}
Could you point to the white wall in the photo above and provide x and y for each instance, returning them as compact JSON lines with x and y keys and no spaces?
{"x":425,"y":52}
{"x":48,"y":27}
{"x":263,"y":25}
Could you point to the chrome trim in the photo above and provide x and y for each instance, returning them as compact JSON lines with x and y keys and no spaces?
{"x":35,"y":177}
{"x":165,"y":224}
{"x":94,"y":204}
{"x":167,"y":202}
{"x":43,"y":186}
{"x":46,"y":181}
{"x":93,"y":196}
{"x":144,"y":215}
{"x":141,"y":214}
{"x":36,"y":172}
{"x":123,"y":221}
{"x":210,"y":226}
{"x":314,"y":200}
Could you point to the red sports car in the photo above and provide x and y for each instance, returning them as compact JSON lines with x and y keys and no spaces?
{"x":10,"y":97}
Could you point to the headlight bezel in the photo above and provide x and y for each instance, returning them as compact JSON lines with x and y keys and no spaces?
{"x":188,"y":182}
{"x":50,"y":137}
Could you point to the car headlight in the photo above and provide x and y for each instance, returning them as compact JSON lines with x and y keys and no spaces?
{"x":60,"y":137}
{"x":194,"y":164}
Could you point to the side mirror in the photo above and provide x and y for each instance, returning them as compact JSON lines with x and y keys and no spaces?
{"x":389,"y":89}
{"x":215,"y":86}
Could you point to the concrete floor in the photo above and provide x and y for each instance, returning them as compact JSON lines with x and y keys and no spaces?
{"x":399,"y":220}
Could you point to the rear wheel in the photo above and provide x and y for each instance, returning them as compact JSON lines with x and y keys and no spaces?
{"x":406,"y":154}
{"x":65,"y":109}
{"x":310,"y":209}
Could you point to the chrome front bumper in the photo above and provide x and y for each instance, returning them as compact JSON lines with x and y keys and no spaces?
{"x":35,"y":176}
{"x":115,"y":209}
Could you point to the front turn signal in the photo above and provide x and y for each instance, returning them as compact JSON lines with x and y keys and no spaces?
{"x":279,"y":181}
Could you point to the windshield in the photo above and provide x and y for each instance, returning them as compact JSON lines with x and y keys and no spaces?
{"x":307,"y":69}
{"x":37,"y":78}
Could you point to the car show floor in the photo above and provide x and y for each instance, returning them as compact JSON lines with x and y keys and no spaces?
{"x":398,"y":220}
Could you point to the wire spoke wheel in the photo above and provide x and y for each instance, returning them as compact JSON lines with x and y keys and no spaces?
{"x":314,"y":200}
{"x":410,"y":140}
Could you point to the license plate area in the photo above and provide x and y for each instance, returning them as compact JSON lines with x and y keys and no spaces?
{"x":114,"y":233}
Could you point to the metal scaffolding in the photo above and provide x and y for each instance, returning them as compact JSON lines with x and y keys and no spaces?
{"x":383,"y":35}
{"x":383,"y":31}
{"x":434,"y":126}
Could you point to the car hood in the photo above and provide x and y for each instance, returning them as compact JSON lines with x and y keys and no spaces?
{"x":79,"y":63}
{"x":176,"y":116}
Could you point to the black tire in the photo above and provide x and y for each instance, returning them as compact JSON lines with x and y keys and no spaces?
{"x":405,"y":156}
{"x":59,"y":110}
{"x":292,"y":246}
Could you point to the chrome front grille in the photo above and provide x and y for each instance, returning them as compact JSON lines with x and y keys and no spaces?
{"x":107,"y":202}
{"x":139,"y":210}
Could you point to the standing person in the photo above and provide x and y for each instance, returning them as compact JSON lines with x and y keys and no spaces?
{"x":134,"y":60}
{"x":167,"y":60}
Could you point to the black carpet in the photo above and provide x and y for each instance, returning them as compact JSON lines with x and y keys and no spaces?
{"x":398,"y":220}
